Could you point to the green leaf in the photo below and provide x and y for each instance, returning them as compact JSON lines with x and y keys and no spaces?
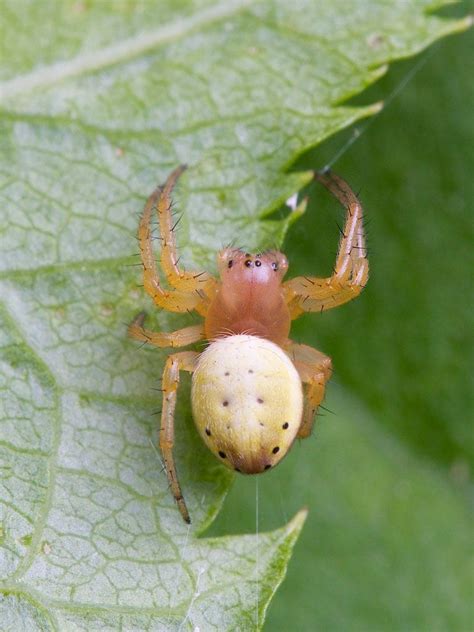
{"x":98,"y":102}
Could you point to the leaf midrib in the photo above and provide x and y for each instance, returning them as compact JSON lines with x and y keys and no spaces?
{"x":126,"y":50}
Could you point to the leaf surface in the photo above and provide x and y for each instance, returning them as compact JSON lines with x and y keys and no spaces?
{"x":98,"y":103}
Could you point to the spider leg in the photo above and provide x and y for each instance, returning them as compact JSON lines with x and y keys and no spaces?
{"x":191,"y":289}
{"x":183,"y":361}
{"x":179,"y":338}
{"x":181,"y":280}
{"x":351,"y":272}
{"x":315,"y":370}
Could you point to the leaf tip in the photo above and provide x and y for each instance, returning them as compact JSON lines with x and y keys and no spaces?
{"x":377,"y":107}
{"x":296,"y":524}
{"x":461,"y":25}
{"x":380,"y":71}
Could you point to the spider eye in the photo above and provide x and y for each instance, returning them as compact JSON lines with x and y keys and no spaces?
{"x":248,"y":263}
{"x":274,"y":265}
{"x":258,"y":263}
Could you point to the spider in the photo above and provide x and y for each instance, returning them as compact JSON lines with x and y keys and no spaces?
{"x":254,"y":391}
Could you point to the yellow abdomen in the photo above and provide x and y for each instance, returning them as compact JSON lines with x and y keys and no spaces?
{"x":247,"y":401}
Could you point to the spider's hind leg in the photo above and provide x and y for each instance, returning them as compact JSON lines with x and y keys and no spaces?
{"x":183,"y":361}
{"x":314,"y":369}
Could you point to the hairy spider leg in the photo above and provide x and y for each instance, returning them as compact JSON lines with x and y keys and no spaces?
{"x":177,"y":278}
{"x":191,"y":293}
{"x":313,"y":294}
{"x":183,"y":361}
{"x":178,"y":338}
{"x":315,"y":369}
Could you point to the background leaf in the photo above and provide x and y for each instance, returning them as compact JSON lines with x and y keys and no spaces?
{"x":98,"y":101}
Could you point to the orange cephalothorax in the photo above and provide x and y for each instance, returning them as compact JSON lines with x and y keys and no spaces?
{"x":249,"y":298}
{"x":254,"y":390}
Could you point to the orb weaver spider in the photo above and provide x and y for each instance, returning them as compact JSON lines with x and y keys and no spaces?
{"x":247,"y":395}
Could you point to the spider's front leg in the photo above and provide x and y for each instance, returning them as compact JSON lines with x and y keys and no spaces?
{"x":178,"y":278}
{"x":351,"y":272}
{"x":178,"y":338}
{"x":314,"y":369}
{"x":191,"y":289}
{"x":183,"y":361}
